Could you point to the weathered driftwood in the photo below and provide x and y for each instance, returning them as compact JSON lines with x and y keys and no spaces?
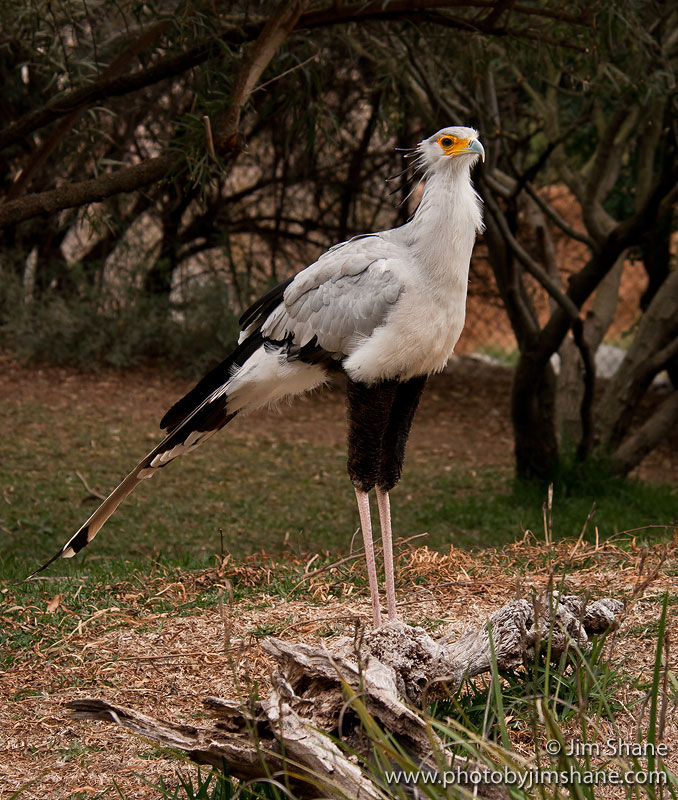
{"x":391,"y":671}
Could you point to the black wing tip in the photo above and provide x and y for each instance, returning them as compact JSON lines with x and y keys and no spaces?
{"x":80,"y":540}
{"x":264,"y":304}
{"x":215,"y":378}
{"x":75,"y":544}
{"x":166,"y":421}
{"x":253,"y":317}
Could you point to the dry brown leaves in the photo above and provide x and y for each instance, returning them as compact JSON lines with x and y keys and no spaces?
{"x":164,"y":664}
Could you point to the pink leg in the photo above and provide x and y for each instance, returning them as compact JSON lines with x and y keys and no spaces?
{"x":387,"y":540}
{"x":366,"y":525}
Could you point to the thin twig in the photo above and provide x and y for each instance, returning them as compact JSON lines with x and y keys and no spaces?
{"x":314,"y":57}
{"x":81,"y":624}
{"x":556,"y":218}
{"x":583,"y":530}
{"x":88,"y":487}
{"x":531,"y":266}
{"x":331,"y":618}
{"x":208,"y":136}
{"x":189,"y":654}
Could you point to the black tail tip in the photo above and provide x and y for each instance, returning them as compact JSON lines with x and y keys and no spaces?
{"x":80,"y":540}
{"x":45,"y":565}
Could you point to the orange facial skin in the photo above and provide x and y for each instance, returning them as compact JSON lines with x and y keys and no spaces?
{"x":453,"y":146}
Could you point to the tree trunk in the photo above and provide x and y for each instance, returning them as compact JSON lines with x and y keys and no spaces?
{"x":654,"y":346}
{"x":634,"y":449}
{"x":533,"y":399}
{"x":158,"y":281}
{"x":656,"y":250}
{"x":571,"y":377}
{"x":533,"y":393}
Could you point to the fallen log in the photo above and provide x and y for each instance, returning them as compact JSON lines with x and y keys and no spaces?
{"x":311,"y":726}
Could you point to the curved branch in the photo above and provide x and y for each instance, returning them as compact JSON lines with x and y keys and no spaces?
{"x":555,"y":217}
{"x":652,"y":348}
{"x":659,"y":199}
{"x":664,"y":357}
{"x":117,"y":66}
{"x":66,"y":102}
{"x":530,"y":264}
{"x":624,"y":235}
{"x":271,"y":35}
{"x":492,"y":179}
{"x":338,"y":13}
{"x":586,"y":405}
{"x":571,"y":310}
{"x":633,"y":449}
{"x":127,"y":179}
{"x":277,"y":28}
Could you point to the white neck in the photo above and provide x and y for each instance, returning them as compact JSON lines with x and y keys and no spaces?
{"x":442,"y":231}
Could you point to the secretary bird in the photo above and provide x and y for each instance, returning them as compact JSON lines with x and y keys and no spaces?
{"x":384,"y":308}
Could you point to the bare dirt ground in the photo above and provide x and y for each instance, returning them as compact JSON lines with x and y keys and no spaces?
{"x":464,"y":413}
{"x":163,"y":665}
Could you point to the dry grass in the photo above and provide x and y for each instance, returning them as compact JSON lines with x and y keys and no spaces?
{"x":164,"y":664}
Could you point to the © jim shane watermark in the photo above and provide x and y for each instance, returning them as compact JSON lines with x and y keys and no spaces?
{"x":612,"y":775}
{"x":610,"y":747}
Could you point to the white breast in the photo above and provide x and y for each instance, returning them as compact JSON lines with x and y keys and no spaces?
{"x":421,"y":331}
{"x":417,"y":339}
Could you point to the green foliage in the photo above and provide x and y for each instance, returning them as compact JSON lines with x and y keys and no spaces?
{"x":87,"y":330}
{"x":214,"y":785}
{"x":572,"y":690}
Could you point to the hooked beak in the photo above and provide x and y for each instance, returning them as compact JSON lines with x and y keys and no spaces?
{"x":474,"y":146}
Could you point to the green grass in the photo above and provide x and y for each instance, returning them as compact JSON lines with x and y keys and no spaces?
{"x":576,"y":701}
{"x":508,"y":358}
{"x":277,"y":497}
{"x":489,"y":509}
{"x":214,"y":785}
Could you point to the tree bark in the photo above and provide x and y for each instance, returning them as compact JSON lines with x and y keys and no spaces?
{"x":634,"y":449}
{"x":571,"y":377}
{"x":653,"y":348}
{"x":127,"y":179}
{"x":533,"y":411}
{"x":656,"y":250}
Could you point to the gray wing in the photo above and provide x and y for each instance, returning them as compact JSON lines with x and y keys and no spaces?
{"x":344,"y":296}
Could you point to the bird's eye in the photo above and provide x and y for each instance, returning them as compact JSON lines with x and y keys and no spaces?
{"x":447,"y":141}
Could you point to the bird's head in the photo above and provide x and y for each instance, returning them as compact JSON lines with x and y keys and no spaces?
{"x":451,"y":147}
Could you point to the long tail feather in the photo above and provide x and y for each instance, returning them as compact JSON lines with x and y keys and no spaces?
{"x":93,"y":525}
{"x":210,"y":416}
